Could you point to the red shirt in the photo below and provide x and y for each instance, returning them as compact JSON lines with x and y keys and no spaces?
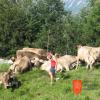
{"x":53,"y":63}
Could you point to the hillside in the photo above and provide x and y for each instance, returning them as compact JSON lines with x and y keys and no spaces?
{"x":36,"y":86}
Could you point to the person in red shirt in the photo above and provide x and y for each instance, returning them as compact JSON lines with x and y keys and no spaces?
{"x":53,"y":68}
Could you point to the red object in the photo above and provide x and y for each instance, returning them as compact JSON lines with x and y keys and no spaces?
{"x":53,"y":63}
{"x":77,"y":86}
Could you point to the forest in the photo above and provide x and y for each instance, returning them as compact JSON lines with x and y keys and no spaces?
{"x":47,"y":24}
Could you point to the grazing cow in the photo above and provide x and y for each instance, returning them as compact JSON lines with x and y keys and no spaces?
{"x":67,"y":61}
{"x":22,"y":64}
{"x":5,"y":77}
{"x":36,"y":62}
{"x":88,"y":54}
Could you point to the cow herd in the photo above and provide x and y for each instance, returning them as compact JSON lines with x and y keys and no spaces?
{"x":28,"y":58}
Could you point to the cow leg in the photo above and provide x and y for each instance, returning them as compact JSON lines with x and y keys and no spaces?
{"x":91,"y":67}
{"x":16,"y":70}
{"x":5,"y":85}
{"x":77,"y":65}
{"x":61,"y":70}
{"x":92,"y":62}
{"x":67,"y":68}
{"x":30,"y":66}
{"x":87,"y":67}
{"x":0,"y":82}
{"x":87,"y":60}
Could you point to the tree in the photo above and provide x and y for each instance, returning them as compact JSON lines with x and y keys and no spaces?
{"x":91,"y":26}
{"x":51,"y":13}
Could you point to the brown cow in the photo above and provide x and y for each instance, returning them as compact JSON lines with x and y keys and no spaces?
{"x":5,"y":77}
{"x":32,"y":52}
{"x":36,"y":62}
{"x":22,"y":64}
{"x":38,"y":51}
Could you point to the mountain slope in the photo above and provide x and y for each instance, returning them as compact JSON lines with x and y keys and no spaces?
{"x":75,"y":5}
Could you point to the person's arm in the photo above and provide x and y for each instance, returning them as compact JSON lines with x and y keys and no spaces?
{"x":56,"y":64}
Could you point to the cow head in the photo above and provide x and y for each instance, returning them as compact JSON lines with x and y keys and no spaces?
{"x":36,"y":61}
{"x":79,"y":46}
{"x":6,"y":78}
{"x":13,"y":59}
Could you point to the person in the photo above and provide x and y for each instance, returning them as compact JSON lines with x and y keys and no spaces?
{"x":53,"y":67}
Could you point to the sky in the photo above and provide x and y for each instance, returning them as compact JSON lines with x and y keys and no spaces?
{"x":75,"y":5}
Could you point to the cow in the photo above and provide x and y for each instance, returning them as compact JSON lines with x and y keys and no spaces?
{"x":46,"y":66}
{"x":67,"y":61}
{"x":32,"y":52}
{"x":21,"y":64}
{"x":64,"y":62}
{"x":5,"y":77}
{"x":88,"y":54}
{"x":36,"y":62}
{"x":11,"y":60}
{"x":38,"y":51}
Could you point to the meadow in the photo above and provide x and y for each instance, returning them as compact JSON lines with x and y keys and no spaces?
{"x":35,"y":85}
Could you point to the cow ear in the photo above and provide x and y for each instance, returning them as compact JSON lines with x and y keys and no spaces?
{"x":79,"y":46}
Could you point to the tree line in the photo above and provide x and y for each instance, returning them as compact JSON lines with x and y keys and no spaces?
{"x":47,"y":24}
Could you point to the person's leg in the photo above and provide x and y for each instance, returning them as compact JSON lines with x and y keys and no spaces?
{"x":52,"y":74}
{"x":51,"y":77}
{"x":54,"y":77}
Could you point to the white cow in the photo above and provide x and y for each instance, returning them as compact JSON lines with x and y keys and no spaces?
{"x":68,"y":61}
{"x":88,"y":54}
{"x":46,"y":66}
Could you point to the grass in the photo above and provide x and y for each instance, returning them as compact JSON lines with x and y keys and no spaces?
{"x":36,"y":86}
{"x":4,"y":67}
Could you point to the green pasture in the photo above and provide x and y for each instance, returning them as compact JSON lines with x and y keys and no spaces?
{"x":36,"y":85}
